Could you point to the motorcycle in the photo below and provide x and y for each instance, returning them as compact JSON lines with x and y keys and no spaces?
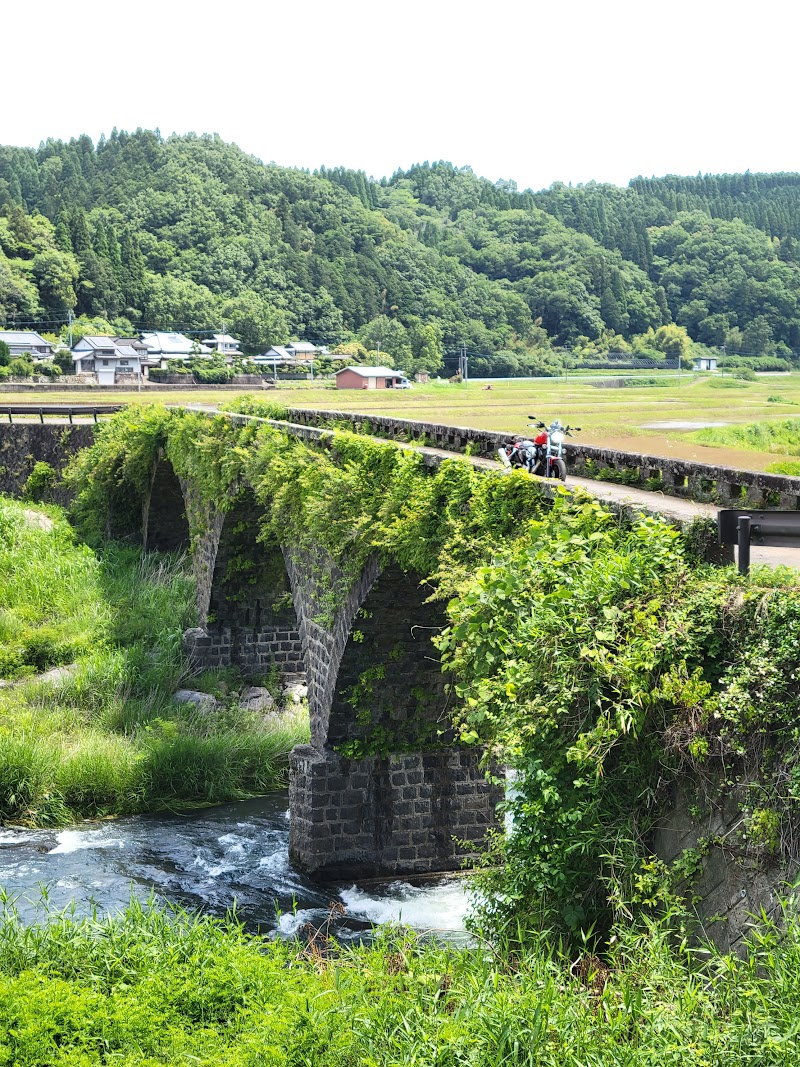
{"x":515,"y":455}
{"x":544,"y":454}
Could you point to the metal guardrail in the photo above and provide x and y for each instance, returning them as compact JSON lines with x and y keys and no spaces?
{"x":69,"y":410}
{"x":771,"y":529}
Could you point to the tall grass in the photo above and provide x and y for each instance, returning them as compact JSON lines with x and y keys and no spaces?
{"x":153,"y":986}
{"x":51,"y":601}
{"x":106,"y":737}
{"x":781,"y":437}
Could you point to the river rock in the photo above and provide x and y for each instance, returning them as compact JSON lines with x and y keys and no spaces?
{"x":202,"y":701}
{"x":55,"y":674}
{"x":257,"y":698}
{"x":296,"y":692}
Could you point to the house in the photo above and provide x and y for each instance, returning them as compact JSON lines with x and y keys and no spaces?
{"x":370,"y":378}
{"x":164,"y":346}
{"x":109,"y":361}
{"x":144,"y":352}
{"x":705,"y":363}
{"x":277,"y":355}
{"x":26,"y":342}
{"x":302,"y":351}
{"x":224,"y":345}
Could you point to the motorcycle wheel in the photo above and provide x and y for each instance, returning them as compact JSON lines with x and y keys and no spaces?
{"x":559,"y":469}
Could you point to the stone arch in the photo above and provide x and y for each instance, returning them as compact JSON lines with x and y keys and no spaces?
{"x":389,"y":681}
{"x":245,"y":603}
{"x":325,"y":627}
{"x":371,"y":666}
{"x":165,"y":525}
{"x":416,"y":804}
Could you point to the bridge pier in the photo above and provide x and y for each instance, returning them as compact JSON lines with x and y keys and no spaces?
{"x":409,"y":813}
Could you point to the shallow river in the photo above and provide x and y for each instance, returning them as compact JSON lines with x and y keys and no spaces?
{"x":210,"y":860}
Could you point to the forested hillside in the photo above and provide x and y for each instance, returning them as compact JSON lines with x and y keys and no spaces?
{"x":188,"y":232}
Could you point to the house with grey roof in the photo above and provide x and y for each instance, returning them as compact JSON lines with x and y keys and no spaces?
{"x":224,"y":345}
{"x":26,"y":342}
{"x":164,"y":346}
{"x":302,"y":351}
{"x":109,"y":361}
{"x":278,"y":354}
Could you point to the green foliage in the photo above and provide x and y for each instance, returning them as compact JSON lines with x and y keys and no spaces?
{"x":433,"y":258}
{"x":105,"y":737}
{"x":113,"y":477}
{"x":40,"y":483}
{"x":785,"y":466}
{"x":782,"y":436}
{"x":595,"y":656}
{"x":150,"y":986}
{"x":596,"y":660}
{"x":51,"y":605}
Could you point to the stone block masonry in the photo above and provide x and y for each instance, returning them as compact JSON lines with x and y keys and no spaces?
{"x":24,"y":444}
{"x":410,"y":813}
{"x":731,"y":890}
{"x":255,"y":651}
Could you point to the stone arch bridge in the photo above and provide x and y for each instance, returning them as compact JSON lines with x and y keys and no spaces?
{"x":373,"y":677}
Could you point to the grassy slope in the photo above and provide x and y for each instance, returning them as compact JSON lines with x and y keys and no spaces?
{"x":106,"y":738}
{"x":615,"y":417}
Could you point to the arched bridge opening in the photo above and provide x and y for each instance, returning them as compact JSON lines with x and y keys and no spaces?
{"x":245,"y":598}
{"x":381,"y":789}
{"x":165,"y":527}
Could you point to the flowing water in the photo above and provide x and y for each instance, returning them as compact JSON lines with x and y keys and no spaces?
{"x":212,"y":860}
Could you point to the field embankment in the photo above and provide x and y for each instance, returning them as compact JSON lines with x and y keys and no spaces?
{"x":103,"y":735}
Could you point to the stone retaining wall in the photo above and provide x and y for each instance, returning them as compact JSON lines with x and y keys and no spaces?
{"x":26,"y":443}
{"x":732,"y":889}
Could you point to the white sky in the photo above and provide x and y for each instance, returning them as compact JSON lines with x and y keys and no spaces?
{"x":532,"y":90}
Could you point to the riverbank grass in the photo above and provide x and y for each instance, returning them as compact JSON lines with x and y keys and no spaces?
{"x":103,"y":735}
{"x":158,"y":987}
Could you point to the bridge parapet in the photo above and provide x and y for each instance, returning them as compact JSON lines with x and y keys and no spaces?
{"x":689,"y":479}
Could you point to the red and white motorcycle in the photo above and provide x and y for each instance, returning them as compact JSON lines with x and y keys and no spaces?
{"x":542,"y":454}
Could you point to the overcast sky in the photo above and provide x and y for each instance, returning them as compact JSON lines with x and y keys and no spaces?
{"x":531,"y":91}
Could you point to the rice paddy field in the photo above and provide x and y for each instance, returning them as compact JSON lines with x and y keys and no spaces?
{"x":658,"y":415}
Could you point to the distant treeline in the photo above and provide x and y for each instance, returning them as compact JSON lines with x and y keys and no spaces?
{"x":189,"y":232}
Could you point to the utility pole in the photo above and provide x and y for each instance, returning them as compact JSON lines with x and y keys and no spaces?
{"x":69,"y":321}
{"x":463,"y":368}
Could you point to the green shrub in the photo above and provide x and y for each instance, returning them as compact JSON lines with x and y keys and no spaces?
{"x":40,"y":483}
{"x":21,"y":367}
{"x":785,"y":466}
